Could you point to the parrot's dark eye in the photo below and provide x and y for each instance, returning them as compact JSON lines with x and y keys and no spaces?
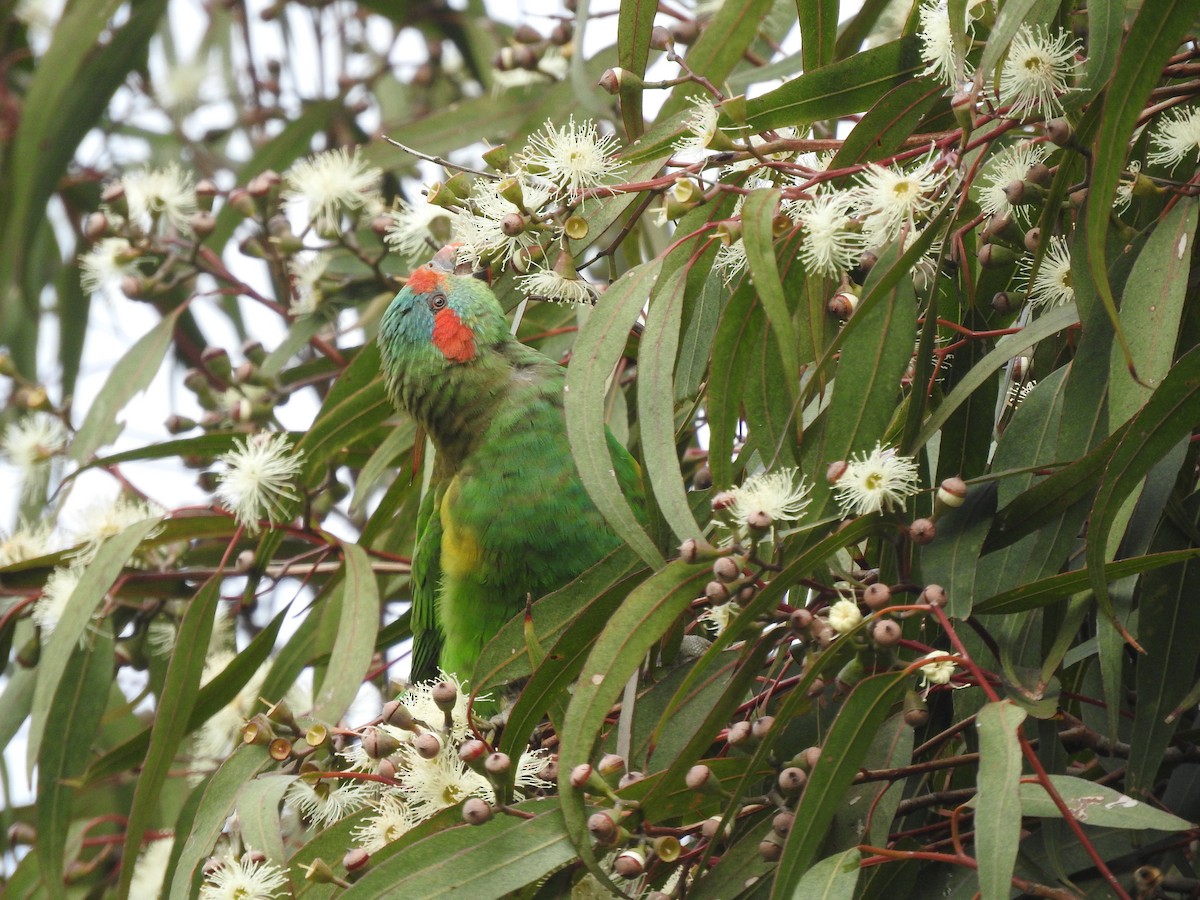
{"x":437,"y":301}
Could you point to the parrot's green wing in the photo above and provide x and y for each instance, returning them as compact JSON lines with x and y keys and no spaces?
{"x":426,"y":575}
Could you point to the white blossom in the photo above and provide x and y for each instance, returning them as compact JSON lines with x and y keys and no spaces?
{"x":30,"y":444}
{"x":889,"y":198}
{"x":417,"y":228}
{"x":1053,"y":283}
{"x":390,"y":820}
{"x":876,"y":482}
{"x":257,"y":481}
{"x":717,"y":618}
{"x":1038,"y":68}
{"x":1011,"y":164}
{"x":329,"y":800}
{"x":306,"y":284}
{"x":27,"y":541}
{"x":831,"y":244}
{"x":574,"y":157}
{"x":244,"y":879}
{"x":700,"y":128}
{"x":1176,"y":137}
{"x":939,"y":672}
{"x":844,"y":616}
{"x":433,"y":784}
{"x":105,"y":519}
{"x":330,"y":184}
{"x":781,"y":496}
{"x":547,"y":284}
{"x":150,"y":869}
{"x":50,"y":606}
{"x":730,"y":260}
{"x":937,"y":44}
{"x":480,"y":230}
{"x":156,"y":198}
{"x":109,"y":260}
{"x":1125,"y":186}
{"x":418,"y":699}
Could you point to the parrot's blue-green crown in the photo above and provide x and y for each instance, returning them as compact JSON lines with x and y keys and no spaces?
{"x":440,"y":318}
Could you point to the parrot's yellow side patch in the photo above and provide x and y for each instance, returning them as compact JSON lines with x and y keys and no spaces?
{"x":461,"y":553}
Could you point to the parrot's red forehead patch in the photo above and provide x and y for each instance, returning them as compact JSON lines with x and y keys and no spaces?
{"x":424,"y":280}
{"x":452,"y":337}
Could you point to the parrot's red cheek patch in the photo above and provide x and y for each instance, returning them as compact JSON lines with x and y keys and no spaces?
{"x":425,"y":280}
{"x":452,"y":337}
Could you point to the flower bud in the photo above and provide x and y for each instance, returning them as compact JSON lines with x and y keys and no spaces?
{"x":877,"y":596}
{"x":993,"y":256}
{"x":603,"y":826}
{"x":761,"y":726}
{"x":398,"y":715}
{"x":629,"y":778}
{"x":473,"y":753}
{"x":800,"y":620}
{"x":702,"y":480}
{"x":716,"y":593}
{"x":792,"y":780}
{"x":355,"y":859}
{"x":581,"y":776}
{"x":497,"y":764}
{"x":699,"y":778}
{"x":709,"y":827}
{"x":842,"y":305}
{"x":1060,"y":132}
{"x":782,"y":823}
{"x":835,"y":471}
{"x":428,"y":745}
{"x":203,"y":223}
{"x":611,"y":764}
{"x":934,"y":595}
{"x":1002,"y":302}
{"x":922,"y":531}
{"x":770,"y":849}
{"x":445,"y":695}
{"x":916,"y":710}
{"x":377,"y":743}
{"x":726,"y":570}
{"x":1033,"y":238}
{"x":740,"y":734}
{"x":476,"y":811}
{"x":952,"y":492}
{"x":629,"y":864}
{"x":660,"y":38}
{"x":886,"y":632}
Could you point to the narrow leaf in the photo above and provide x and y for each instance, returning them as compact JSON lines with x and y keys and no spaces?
{"x":997,"y":802}
{"x":354,"y":644}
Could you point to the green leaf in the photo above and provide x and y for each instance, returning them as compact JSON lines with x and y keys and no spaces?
{"x":635,"y":21}
{"x":258,"y":813}
{"x":354,"y":643}
{"x":218,"y":799}
{"x":618,"y":652}
{"x":887,"y":124}
{"x":215,"y":695}
{"x":94,"y":583}
{"x":818,"y":32}
{"x":842,"y":753}
{"x":1156,"y":33}
{"x":478,"y":861}
{"x":1046,"y":591}
{"x":758,"y":217}
{"x":76,"y":710}
{"x":833,"y":878}
{"x":133,"y":373}
{"x":1152,"y":309}
{"x":599,"y":344}
{"x":1095,"y":804}
{"x":172,"y":712}
{"x":841,"y":88}
{"x":656,"y":395}
{"x":997,"y":802}
{"x":1167,"y":418}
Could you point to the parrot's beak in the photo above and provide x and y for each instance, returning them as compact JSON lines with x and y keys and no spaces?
{"x":446,"y":260}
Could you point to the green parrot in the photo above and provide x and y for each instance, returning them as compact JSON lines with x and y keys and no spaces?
{"x":506,"y":516}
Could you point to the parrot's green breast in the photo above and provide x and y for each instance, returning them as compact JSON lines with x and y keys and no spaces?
{"x":506,"y":518}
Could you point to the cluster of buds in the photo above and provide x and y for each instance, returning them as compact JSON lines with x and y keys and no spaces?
{"x":243,"y":398}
